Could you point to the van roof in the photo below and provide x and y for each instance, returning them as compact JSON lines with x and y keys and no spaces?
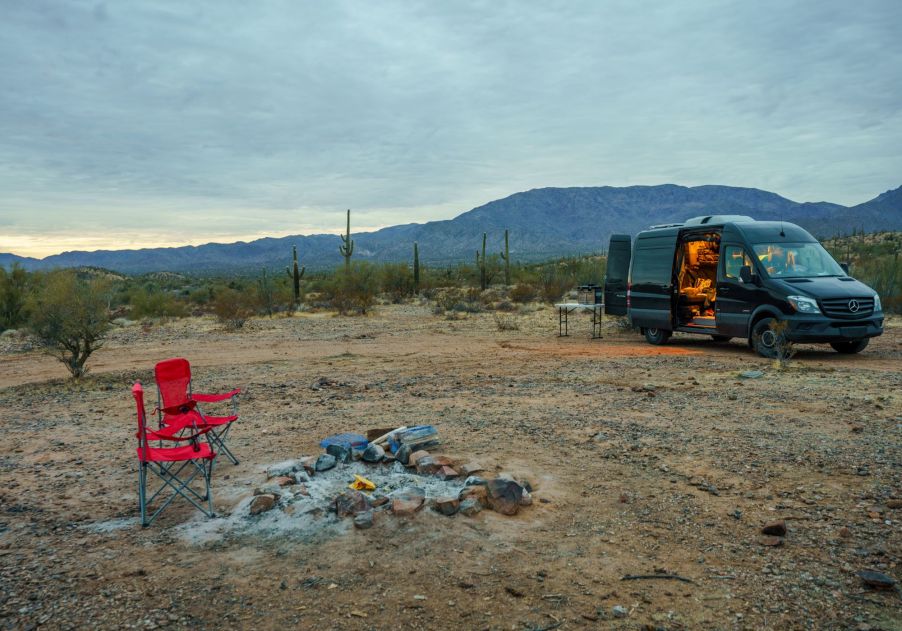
{"x":753,"y":231}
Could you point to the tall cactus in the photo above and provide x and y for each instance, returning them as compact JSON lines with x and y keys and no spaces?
{"x":295,"y":274}
{"x":347,"y":246}
{"x":416,"y":268}
{"x":506,"y":257}
{"x":481,"y":263}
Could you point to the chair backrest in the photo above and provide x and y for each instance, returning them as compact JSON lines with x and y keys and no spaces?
{"x":138,"y":393}
{"x":173,"y":381}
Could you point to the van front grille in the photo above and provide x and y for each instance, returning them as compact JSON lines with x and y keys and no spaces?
{"x":848,"y":307}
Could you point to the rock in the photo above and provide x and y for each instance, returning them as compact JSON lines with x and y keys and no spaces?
{"x":526,"y":499}
{"x":403,"y":454}
{"x":269,"y":489}
{"x":284,"y":468}
{"x":350,"y":503}
{"x":477,"y":493}
{"x":619,"y":611}
{"x":309,"y":464}
{"x":262,"y":503}
{"x":877,"y":580}
{"x":341,"y":453}
{"x":415,"y":457}
{"x":364,"y":520}
{"x":446,"y":505}
{"x":769,"y":540}
{"x":470,"y":468}
{"x":470,"y":507}
{"x":844,"y":532}
{"x":446,"y":473}
{"x":325,"y":462}
{"x":751,"y":374}
{"x":379,"y":500}
{"x":775,"y":528}
{"x":513,"y":591}
{"x":474,"y":481}
{"x":894,"y":504}
{"x":407,"y":501}
{"x":285,"y":480}
{"x":373,"y":453}
{"x":504,"y":496}
{"x":300,"y":477}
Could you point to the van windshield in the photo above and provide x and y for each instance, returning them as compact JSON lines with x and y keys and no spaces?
{"x":796,"y":260}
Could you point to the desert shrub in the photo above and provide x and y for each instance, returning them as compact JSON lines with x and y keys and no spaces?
{"x":233,"y":307}
{"x":13,"y":294}
{"x":506,"y":306}
{"x":523,"y":293}
{"x":506,"y":322}
{"x":69,"y":317}
{"x":353,"y":289}
{"x":553,"y":282}
{"x":396,"y":280}
{"x":149,"y":302}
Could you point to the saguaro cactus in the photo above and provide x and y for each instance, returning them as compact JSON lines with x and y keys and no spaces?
{"x":295,"y":274}
{"x":481,"y":263}
{"x":347,"y":246}
{"x":505,"y":256}
{"x":416,"y":268}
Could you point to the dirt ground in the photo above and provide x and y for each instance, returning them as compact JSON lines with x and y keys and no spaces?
{"x":643,"y":459}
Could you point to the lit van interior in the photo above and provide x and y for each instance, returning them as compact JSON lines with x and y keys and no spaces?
{"x":698,"y":255}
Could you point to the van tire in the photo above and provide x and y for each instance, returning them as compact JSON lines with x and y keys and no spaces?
{"x":720,"y":339}
{"x":850,"y":348}
{"x":657,"y":336}
{"x":764,"y":340}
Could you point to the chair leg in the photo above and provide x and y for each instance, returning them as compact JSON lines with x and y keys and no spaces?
{"x":208,"y":473}
{"x":142,"y":492}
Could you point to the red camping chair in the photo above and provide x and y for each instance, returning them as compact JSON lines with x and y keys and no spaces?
{"x":175,"y":400}
{"x":168,"y":463}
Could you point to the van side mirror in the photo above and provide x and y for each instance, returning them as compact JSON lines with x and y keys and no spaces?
{"x":745,"y":274}
{"x":845,"y":268}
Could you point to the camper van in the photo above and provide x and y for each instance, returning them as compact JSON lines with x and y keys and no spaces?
{"x":729,"y":276}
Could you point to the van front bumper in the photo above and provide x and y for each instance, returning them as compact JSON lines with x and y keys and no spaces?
{"x":814,"y":330}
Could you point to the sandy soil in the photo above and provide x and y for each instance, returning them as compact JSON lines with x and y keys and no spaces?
{"x":643,"y":459}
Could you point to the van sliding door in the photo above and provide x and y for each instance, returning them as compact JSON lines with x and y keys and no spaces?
{"x":651,"y":293}
{"x":618,"y":270}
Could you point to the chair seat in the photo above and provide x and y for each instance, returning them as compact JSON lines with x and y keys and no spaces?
{"x":175,"y":454}
{"x":194,"y":418}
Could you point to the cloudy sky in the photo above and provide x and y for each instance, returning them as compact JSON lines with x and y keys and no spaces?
{"x":144,"y":123}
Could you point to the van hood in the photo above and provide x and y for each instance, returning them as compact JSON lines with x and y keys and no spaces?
{"x":825,"y":287}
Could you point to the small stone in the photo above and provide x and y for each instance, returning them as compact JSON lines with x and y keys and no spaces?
{"x":286,"y":467}
{"x":373,"y":453}
{"x":513,"y":591}
{"x":407,"y":501}
{"x":775,"y":528}
{"x":474,"y":480}
{"x":403,"y":454}
{"x":470,"y":468}
{"x":350,"y":503}
{"x":844,"y":532}
{"x":446,"y":473}
{"x":379,"y":500}
{"x":325,"y":462}
{"x":341,"y":453}
{"x":415,"y":457}
{"x":470,"y":507}
{"x":877,"y":580}
{"x":308,"y":463}
{"x":751,"y":374}
{"x":619,"y":611}
{"x":526,"y":499}
{"x":478,"y":493}
{"x":504,"y":496}
{"x":262,"y":503}
{"x":768,"y":540}
{"x":446,"y":505}
{"x":895,"y":503}
{"x":364,"y":520}
{"x":285,"y":480}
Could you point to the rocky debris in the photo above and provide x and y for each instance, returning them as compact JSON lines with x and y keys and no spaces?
{"x":429,"y":465}
{"x":478,"y":493}
{"x":845,"y":533}
{"x":470,"y":507}
{"x":470,"y":468}
{"x":894,"y":503}
{"x":308,"y":463}
{"x":619,"y":611}
{"x":504,"y":496}
{"x":284,"y":468}
{"x":340,"y":452}
{"x":379,"y":500}
{"x":350,"y":503}
{"x":373,"y":453}
{"x":446,"y":473}
{"x":262,"y":503}
{"x":403,"y":454}
{"x":321,"y":383}
{"x":877,"y":580}
{"x":408,"y":500}
{"x":775,"y":528}
{"x":751,"y":374}
{"x":704,"y":485}
{"x":364,"y":520}
{"x":474,"y":481}
{"x":769,"y":540}
{"x":446,"y":505}
{"x":325,"y":462}
{"x":415,"y":457}
{"x":526,"y":499}
{"x":285,"y":480}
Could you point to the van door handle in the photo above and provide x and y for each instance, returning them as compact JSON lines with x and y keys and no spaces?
{"x":723,"y":290}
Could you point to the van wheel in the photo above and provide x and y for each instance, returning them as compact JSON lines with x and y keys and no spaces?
{"x":850,"y":348}
{"x":765,"y":341}
{"x":657,"y":336}
{"x":720,"y":339}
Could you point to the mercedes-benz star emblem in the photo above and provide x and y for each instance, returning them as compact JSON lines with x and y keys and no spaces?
{"x":854,"y":306}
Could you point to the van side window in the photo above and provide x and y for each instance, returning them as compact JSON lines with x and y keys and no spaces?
{"x":734,"y":258}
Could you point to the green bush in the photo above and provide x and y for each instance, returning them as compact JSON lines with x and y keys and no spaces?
{"x":353,"y":289}
{"x":149,"y":302}
{"x":397,"y":281}
{"x":13,"y":294}
{"x":233,"y":307}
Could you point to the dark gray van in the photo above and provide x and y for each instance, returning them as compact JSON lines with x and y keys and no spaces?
{"x":731,"y":276}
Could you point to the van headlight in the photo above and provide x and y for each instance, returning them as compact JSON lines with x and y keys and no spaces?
{"x":877,"y":305}
{"x":803,"y":304}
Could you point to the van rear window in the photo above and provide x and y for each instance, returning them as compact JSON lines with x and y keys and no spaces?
{"x":652,"y":264}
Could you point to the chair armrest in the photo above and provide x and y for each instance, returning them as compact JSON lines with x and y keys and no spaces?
{"x":213,"y":398}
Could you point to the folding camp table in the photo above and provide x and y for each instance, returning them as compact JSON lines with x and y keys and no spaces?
{"x":564,"y":309}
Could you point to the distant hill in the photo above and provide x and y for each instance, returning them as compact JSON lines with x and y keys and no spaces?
{"x":543,"y":223}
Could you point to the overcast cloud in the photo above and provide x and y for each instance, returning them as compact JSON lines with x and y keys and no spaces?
{"x":147,"y":122}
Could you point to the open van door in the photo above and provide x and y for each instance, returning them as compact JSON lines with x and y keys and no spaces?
{"x":615,"y":281}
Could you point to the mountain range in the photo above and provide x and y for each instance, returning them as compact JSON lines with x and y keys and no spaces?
{"x":543,"y":223}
